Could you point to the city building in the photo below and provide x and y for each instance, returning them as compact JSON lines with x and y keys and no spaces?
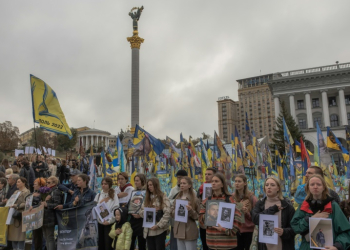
{"x":27,"y":135}
{"x":228,"y":117}
{"x":95,"y":137}
{"x":256,"y":100}
{"x":319,"y":94}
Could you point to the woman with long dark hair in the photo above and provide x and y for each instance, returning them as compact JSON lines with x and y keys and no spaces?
{"x":318,"y":204}
{"x":110,"y":197}
{"x":187,"y":233}
{"x":135,"y":219}
{"x":275,"y":204}
{"x":155,"y":198}
{"x":248,"y":200}
{"x":217,"y":235}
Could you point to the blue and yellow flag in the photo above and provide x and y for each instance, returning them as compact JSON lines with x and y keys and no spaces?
{"x":140,"y":133}
{"x":239,"y":151}
{"x":249,"y":143}
{"x":46,"y":108}
{"x":333,"y":142}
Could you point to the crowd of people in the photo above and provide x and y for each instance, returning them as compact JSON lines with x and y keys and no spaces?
{"x":69,"y":187}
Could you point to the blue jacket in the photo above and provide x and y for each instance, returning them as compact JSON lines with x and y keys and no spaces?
{"x":87,"y":196}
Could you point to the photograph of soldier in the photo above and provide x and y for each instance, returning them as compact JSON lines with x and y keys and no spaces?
{"x":320,"y":239}
{"x":87,"y":237}
{"x":226,"y":214}
{"x":212,"y":213}
{"x":181,"y":211}
{"x":104,"y":212}
{"x":207,"y":192}
{"x":268,"y":228}
{"x":149,"y":216}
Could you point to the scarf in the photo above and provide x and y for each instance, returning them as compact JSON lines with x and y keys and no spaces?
{"x":122,"y":189}
{"x":268,"y":203}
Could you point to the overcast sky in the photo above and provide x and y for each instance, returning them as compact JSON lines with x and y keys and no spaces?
{"x":194,"y":51}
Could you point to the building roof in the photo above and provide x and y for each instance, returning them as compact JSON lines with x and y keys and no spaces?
{"x":93,"y":130}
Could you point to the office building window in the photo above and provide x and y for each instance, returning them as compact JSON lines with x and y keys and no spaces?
{"x":332,"y":101}
{"x":302,"y":123}
{"x":347,"y":99}
{"x":318,"y":120}
{"x":315,"y":102}
{"x":334,"y":121}
{"x":300,"y":104}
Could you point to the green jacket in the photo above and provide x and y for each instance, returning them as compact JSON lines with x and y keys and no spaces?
{"x":341,"y":227}
{"x":123,"y":239}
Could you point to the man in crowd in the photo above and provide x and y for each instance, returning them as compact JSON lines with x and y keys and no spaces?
{"x":174,"y":191}
{"x":28,"y":173}
{"x":19,"y":158}
{"x":209,"y":173}
{"x":70,"y":188}
{"x":300,"y":194}
{"x":40,"y":167}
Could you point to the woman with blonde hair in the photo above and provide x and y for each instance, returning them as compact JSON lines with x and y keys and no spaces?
{"x":275,"y":204}
{"x":318,"y":204}
{"x":187,"y":233}
{"x":248,"y":200}
{"x":155,"y":198}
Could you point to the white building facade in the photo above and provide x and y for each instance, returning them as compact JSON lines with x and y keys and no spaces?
{"x":320,"y":94}
{"x":95,"y":138}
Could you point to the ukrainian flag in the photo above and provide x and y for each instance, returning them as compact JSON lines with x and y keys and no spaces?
{"x":46,"y":108}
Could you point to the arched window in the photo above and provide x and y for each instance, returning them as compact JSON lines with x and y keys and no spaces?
{"x":302,"y":121}
{"x":317,"y":116}
{"x":334,"y":120}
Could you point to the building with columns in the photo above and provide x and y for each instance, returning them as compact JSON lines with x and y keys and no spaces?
{"x":96,"y":138}
{"x":319,"y":94}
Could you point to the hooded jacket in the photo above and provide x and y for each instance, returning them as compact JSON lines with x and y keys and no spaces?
{"x":341,"y":227}
{"x":123,"y":240}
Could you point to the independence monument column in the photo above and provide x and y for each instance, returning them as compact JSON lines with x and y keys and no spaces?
{"x":135,"y":43}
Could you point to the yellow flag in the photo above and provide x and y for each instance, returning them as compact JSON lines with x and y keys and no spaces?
{"x":3,"y":227}
{"x":46,"y":108}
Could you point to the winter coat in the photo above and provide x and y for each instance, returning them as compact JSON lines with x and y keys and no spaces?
{"x":40,"y":169}
{"x":345,"y":207}
{"x":2,"y":169}
{"x":15,"y":229}
{"x":341,"y":226}
{"x":188,"y":230}
{"x":87,"y":196}
{"x":286,"y":216}
{"x":28,"y":173}
{"x":163,"y":224}
{"x":123,"y":239}
{"x":12,"y":189}
{"x":49,"y":211}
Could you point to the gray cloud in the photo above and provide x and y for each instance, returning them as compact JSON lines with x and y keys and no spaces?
{"x":194,"y":51}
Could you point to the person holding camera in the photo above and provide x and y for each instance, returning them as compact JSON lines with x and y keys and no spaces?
{"x":156,"y":235}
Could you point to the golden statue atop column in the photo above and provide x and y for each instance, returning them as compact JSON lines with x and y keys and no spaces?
{"x":135,"y":41}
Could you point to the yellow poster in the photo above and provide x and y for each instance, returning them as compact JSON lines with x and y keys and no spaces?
{"x":3,"y":227}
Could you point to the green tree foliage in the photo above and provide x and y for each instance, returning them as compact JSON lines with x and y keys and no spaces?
{"x":41,"y":138}
{"x":66,"y":144}
{"x":9,"y":136}
{"x":121,"y":134}
{"x":278,"y":133}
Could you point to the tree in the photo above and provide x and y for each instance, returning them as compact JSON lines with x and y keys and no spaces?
{"x":9,"y":136}
{"x":278,"y":133}
{"x":66,"y":144}
{"x":205,"y":136}
{"x":43,"y":139}
{"x":121,"y":135}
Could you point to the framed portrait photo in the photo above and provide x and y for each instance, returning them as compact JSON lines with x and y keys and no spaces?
{"x":226,"y":215}
{"x":181,"y":212}
{"x":207,"y":190}
{"x":212,"y":212}
{"x":149,"y":217}
{"x":103,"y":212}
{"x":321,"y":233}
{"x":136,"y":200}
{"x":267,"y":224}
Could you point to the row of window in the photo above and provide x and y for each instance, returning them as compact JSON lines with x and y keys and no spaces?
{"x":333,"y":120}
{"x":332,"y":101}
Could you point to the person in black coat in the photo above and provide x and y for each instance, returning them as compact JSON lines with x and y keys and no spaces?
{"x":64,"y":172}
{"x":273,"y":191}
{"x":40,"y":167}
{"x":28,"y":173}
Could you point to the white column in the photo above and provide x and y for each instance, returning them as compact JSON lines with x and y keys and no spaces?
{"x":342,"y":107}
{"x":97,"y":140}
{"x":107,"y":141}
{"x":277,"y":106}
{"x":325,"y":108}
{"x":310,"y":121}
{"x":86,"y":142}
{"x":292,"y":107}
